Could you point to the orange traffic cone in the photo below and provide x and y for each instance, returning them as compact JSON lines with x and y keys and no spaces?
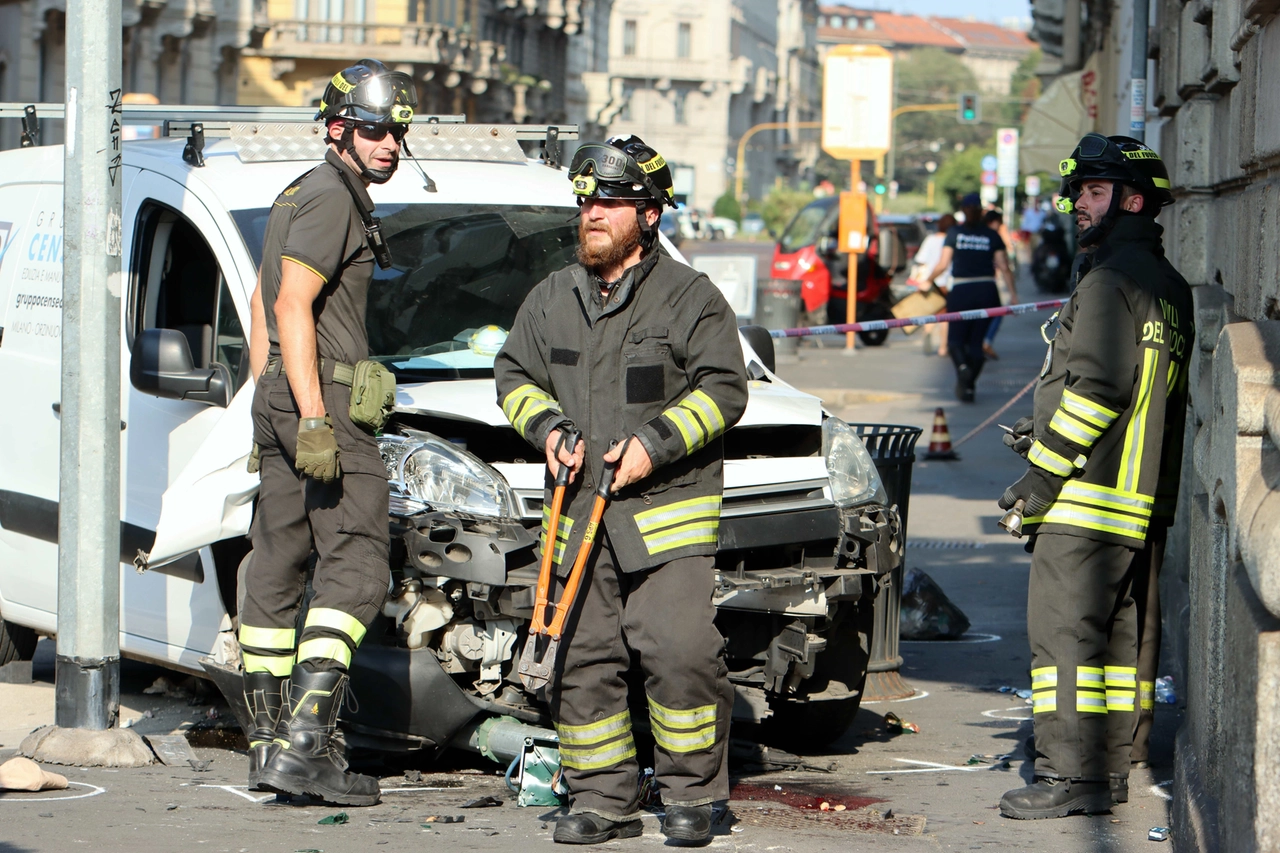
{"x":940,"y":440}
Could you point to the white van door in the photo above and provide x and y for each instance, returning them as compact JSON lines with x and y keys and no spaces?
{"x":183,"y":276}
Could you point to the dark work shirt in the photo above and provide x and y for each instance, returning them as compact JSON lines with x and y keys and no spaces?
{"x":974,"y":251}
{"x":314,"y":222}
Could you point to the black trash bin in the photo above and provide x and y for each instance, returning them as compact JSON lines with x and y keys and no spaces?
{"x":893,"y":449}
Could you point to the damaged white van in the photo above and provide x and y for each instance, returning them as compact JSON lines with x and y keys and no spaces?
{"x":805,"y":531}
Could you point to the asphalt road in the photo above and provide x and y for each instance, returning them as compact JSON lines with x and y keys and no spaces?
{"x":902,"y":791}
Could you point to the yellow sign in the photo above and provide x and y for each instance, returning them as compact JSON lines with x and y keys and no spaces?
{"x":857,"y":102}
{"x":853,"y":222}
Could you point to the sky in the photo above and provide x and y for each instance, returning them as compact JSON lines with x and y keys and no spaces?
{"x":984,"y":10}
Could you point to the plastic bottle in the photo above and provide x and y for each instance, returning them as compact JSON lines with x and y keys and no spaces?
{"x":1165,"y":694}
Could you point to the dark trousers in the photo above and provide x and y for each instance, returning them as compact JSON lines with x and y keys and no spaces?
{"x":1082,"y":624}
{"x":346,"y":524}
{"x":1146,"y":596}
{"x":665,"y":617}
{"x":964,"y":337}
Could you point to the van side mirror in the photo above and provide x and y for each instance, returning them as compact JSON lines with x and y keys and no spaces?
{"x":161,"y":364}
{"x":759,"y":339}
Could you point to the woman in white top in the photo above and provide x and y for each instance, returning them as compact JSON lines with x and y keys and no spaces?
{"x":927,"y":257}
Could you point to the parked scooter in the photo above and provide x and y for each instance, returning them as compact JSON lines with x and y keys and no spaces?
{"x":1051,"y":260}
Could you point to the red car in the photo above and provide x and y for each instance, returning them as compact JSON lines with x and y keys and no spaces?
{"x":807,"y":251}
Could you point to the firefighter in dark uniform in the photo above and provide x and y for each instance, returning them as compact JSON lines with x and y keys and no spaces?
{"x":1102,"y":458}
{"x":631,"y":346}
{"x":323,"y":483}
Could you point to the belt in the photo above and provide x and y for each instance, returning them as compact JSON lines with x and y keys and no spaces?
{"x":343,"y":374}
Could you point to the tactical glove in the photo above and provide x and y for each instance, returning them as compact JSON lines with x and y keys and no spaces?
{"x":254,"y":464}
{"x":318,"y":452}
{"x":1038,"y":488}
{"x":1021,"y":439}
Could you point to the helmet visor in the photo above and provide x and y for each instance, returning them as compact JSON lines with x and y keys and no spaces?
{"x":393,"y":94}
{"x":606,"y":163}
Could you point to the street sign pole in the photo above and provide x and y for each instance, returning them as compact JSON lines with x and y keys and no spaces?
{"x":1007,"y":170}
{"x":87,"y":669}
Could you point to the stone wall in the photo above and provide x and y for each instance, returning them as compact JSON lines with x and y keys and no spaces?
{"x":1221,"y":584}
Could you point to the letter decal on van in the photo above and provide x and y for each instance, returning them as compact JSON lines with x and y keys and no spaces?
{"x":5,"y":240}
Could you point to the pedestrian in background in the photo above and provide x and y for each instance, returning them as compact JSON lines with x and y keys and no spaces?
{"x":975,"y":254}
{"x":994,"y":220}
{"x":927,"y":257}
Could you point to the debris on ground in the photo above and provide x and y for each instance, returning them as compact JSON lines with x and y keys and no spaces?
{"x":892,"y":723}
{"x":770,"y":758}
{"x":441,"y":818}
{"x":481,"y":803}
{"x":927,"y":613}
{"x":413,"y":777}
{"x":23,"y":774}
{"x":1021,"y":693}
{"x":650,"y":795}
{"x":1158,"y":833}
{"x":995,"y":761}
{"x":1165,"y":694}
{"x":334,"y":819}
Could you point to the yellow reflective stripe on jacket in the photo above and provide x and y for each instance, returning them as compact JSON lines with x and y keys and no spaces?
{"x":1091,"y":702}
{"x":1064,"y":512}
{"x":682,"y":742}
{"x":1122,"y":682}
{"x":325,"y":648}
{"x":1107,"y":498}
{"x":695,"y":521}
{"x":1147,"y":695}
{"x":698,"y":420}
{"x":1073,"y":429}
{"x":597,"y":732}
{"x":336,"y":620}
{"x":594,"y":759}
{"x":1044,"y":702}
{"x":278,"y":665}
{"x":562,"y":534}
{"x":1087,"y":410}
{"x":267,"y":638}
{"x":1136,"y":432}
{"x":1052,"y":462}
{"x":1091,"y":677}
{"x":525,"y":403}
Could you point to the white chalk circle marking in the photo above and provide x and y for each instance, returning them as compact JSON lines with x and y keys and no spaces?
{"x":967,"y":638}
{"x":1000,"y":713}
{"x":94,"y":790}
{"x":919,"y":695}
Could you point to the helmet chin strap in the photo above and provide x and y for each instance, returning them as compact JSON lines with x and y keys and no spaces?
{"x":375,"y":176}
{"x":1094,"y":234}
{"x":648,"y":233}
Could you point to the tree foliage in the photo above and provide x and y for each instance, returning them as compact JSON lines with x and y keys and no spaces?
{"x":781,"y":204}
{"x":1024,"y":86}
{"x":728,"y":207}
{"x":961,"y":175}
{"x":932,"y":76}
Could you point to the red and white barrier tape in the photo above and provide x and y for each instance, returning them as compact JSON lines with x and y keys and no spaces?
{"x":876,"y":325}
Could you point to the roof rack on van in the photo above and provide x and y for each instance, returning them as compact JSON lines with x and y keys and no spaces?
{"x":265,"y":133}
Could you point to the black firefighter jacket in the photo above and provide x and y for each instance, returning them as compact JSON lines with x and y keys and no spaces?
{"x":661,"y":361}
{"x":1110,"y":406}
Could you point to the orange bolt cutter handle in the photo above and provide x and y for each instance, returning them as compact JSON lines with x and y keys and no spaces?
{"x":538,"y":624}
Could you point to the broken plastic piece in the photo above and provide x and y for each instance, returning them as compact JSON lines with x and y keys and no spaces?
{"x":441,"y":818}
{"x":1158,"y":833}
{"x":481,"y":803}
{"x":334,"y":819}
{"x":893,"y":722}
{"x":1165,"y":694}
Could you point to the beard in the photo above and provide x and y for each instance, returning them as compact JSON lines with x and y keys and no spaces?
{"x":596,"y":257}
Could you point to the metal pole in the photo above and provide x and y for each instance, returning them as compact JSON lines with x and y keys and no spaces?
{"x":88,"y":655}
{"x":1071,"y":35}
{"x":1138,"y":72}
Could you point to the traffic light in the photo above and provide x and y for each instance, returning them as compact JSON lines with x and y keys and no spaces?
{"x":880,"y":188}
{"x":967,"y":112}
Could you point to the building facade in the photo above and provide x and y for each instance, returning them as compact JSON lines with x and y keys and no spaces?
{"x":692,"y":79}
{"x":1214,"y":114}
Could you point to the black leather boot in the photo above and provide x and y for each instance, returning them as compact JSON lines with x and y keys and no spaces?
{"x":309,"y":760}
{"x":688,"y":824}
{"x":1119,"y":788}
{"x":262,"y":695}
{"x":588,"y":828}
{"x":1056,"y":798}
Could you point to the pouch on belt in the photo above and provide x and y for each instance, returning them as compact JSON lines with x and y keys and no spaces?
{"x":373,"y":395}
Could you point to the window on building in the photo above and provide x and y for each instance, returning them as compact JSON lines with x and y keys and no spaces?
{"x":678,"y":97}
{"x":837,"y":21}
{"x":629,"y":38}
{"x":684,"y":40}
{"x":628,"y":95}
{"x":868,"y":23}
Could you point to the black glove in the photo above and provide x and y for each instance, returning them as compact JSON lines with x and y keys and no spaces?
{"x":1038,"y":488}
{"x":1021,"y":439}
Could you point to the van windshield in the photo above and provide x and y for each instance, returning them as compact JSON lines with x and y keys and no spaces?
{"x":459,"y":274}
{"x":809,"y":224}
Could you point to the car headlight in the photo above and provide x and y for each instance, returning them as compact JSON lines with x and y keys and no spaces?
{"x":445,"y":477}
{"x":850,"y":470}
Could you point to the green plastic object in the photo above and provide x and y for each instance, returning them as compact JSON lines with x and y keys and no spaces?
{"x":334,"y":819}
{"x":541,"y":783}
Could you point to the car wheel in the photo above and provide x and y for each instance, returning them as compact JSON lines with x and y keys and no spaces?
{"x":17,"y":642}
{"x":874,"y":311}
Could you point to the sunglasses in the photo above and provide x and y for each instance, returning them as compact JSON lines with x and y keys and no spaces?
{"x":378,"y":132}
